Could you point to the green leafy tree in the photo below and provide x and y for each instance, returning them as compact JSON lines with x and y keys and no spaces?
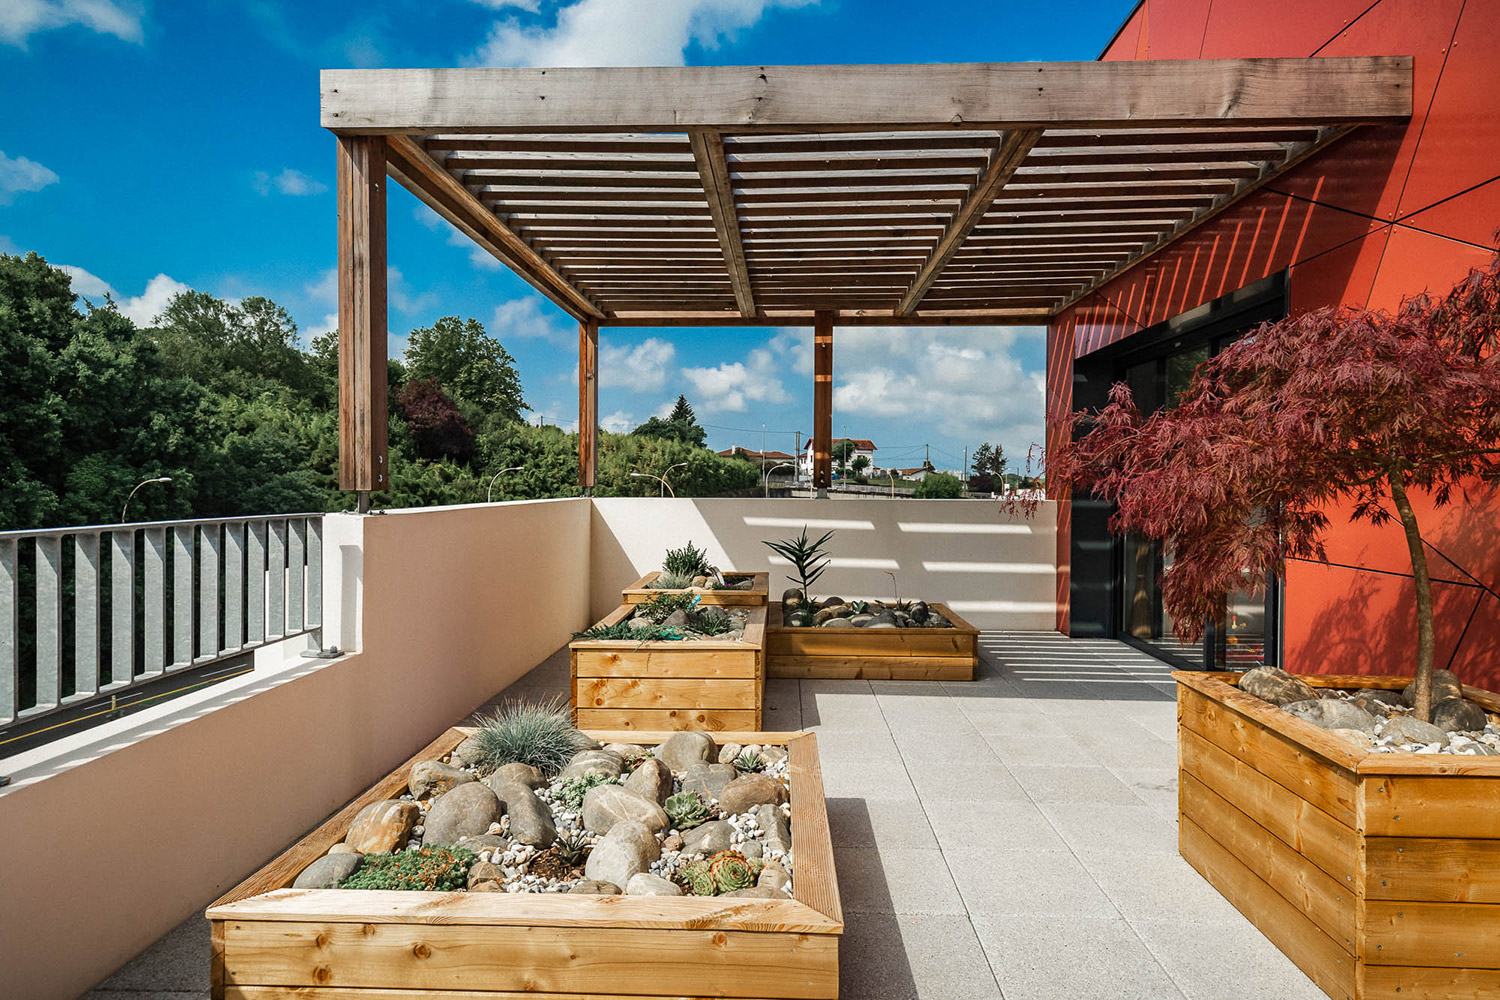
{"x":938,"y":486}
{"x":679,"y":425}
{"x":860,"y":465}
{"x":682,"y":412}
{"x":987,"y":468}
{"x":470,"y":365}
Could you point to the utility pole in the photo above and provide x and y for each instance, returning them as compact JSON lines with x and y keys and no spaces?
{"x":927,"y":454}
{"x":966,"y":469}
{"x":797,"y":469}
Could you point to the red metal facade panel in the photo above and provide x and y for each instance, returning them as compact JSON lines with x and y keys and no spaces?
{"x":1379,"y":216}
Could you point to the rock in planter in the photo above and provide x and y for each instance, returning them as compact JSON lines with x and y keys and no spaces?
{"x":1409,"y":729}
{"x":467,"y":811}
{"x":627,"y":751}
{"x":1457,"y":715}
{"x":1378,"y":702}
{"x":831,"y":611}
{"x":676,"y":619}
{"x":328,"y":871}
{"x":1333,"y":714}
{"x":593,"y":887}
{"x":627,"y":849}
{"x":646,"y":884}
{"x":651,"y":780}
{"x":681,"y":751}
{"x":1445,"y":685}
{"x":381,"y":827}
{"x":484,"y":842}
{"x":523,"y":774}
{"x":482,"y":871}
{"x":775,"y":830}
{"x":729,"y":751}
{"x":431,"y":777}
{"x":708,"y":780}
{"x":709,"y":838}
{"x":466,"y":754}
{"x":837,"y":623}
{"x":1277,"y":686}
{"x":748,"y":791}
{"x":774,"y":876}
{"x":792,"y":597}
{"x":594,"y":762}
{"x":605,"y":806}
{"x":530,"y":819}
{"x":755,"y":892}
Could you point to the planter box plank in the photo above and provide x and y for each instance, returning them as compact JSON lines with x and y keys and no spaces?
{"x":705,"y":684}
{"x":757,"y":595}
{"x":335,"y":944}
{"x":1296,"y":822}
{"x":872,"y":654}
{"x":1395,"y":854}
{"x":1297,"y":937}
{"x":1454,"y":871}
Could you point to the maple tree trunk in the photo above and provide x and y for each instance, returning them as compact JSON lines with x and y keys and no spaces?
{"x":1425,"y":644}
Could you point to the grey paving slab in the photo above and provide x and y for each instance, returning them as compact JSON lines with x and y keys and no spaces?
{"x":1014,"y":837}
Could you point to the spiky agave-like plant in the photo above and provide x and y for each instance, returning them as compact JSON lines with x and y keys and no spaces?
{"x":541,"y":734}
{"x":804,"y":557}
{"x":747,"y":761}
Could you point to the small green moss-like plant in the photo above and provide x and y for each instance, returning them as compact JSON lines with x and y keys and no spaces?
{"x":659,"y":607}
{"x":629,"y":633}
{"x":572,"y":848}
{"x":686,"y":810}
{"x":688,"y":561}
{"x":541,"y":734}
{"x":747,"y":761}
{"x":572,"y":790}
{"x":434,"y":869}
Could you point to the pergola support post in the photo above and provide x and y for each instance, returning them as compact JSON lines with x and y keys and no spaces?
{"x":822,"y":402}
{"x":588,"y":405}
{"x":363,"y":431}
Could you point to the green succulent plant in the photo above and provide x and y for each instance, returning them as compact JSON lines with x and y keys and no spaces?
{"x":697,"y":878}
{"x":659,"y":607}
{"x":572,"y":848}
{"x":686,"y":810}
{"x":859,"y":607}
{"x":712,"y":624}
{"x":629,"y":633}
{"x":804,"y":556}
{"x":435,"y":869}
{"x":747,"y":761}
{"x":731,"y":871}
{"x":688,"y":561}
{"x":541,"y":734}
{"x":572,"y":790}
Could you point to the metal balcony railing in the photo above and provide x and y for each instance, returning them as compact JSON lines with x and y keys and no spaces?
{"x":95,"y":610}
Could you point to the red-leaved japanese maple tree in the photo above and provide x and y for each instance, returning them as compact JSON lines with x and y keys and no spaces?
{"x":1332,"y":406}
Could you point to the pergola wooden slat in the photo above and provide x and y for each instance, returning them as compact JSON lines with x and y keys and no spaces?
{"x":971,"y":194}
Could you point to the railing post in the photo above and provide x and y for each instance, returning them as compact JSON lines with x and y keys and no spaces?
{"x":314,"y":571}
{"x":234,"y":586}
{"x":182,"y":596}
{"x":85,"y":615}
{"x":155,"y":599}
{"x":276,"y":579}
{"x":208,"y":591}
{"x":121,"y":607}
{"x":10,"y":629}
{"x":48,"y":622}
{"x":296,"y":551}
{"x":255,"y":582}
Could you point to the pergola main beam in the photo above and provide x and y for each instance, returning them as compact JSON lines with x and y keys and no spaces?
{"x":770,"y":99}
{"x":713,"y":169}
{"x":1009,"y":156}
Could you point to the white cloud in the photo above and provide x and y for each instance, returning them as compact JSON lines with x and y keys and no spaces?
{"x":289,"y":182}
{"x":618,"y":422}
{"x":621,"y":32}
{"x":8,"y":245}
{"x":90,"y":286}
{"x":402,"y":298}
{"x":730,"y":386}
{"x":478,"y":255}
{"x":642,"y":367}
{"x":529,"y":5}
{"x":527,"y":318}
{"x":143,"y":309}
{"x":20,"y":174}
{"x":20,"y":19}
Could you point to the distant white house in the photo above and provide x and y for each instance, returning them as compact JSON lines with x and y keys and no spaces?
{"x":862,"y":446}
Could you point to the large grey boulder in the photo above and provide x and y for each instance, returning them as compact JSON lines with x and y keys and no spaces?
{"x":646,"y":884}
{"x":1445,"y":684}
{"x":466,"y":754}
{"x":433,"y":777}
{"x":1409,"y":729}
{"x":328,"y":871}
{"x":681,"y":751}
{"x":381,"y":827}
{"x":651,"y":780}
{"x":467,"y":811}
{"x":775,"y":831}
{"x":530,"y":819}
{"x":523,"y":773}
{"x":627,"y":849}
{"x":1379,"y":702}
{"x":1458,"y":715}
{"x":1276,"y":686}
{"x":708,"y":780}
{"x":594,"y":762}
{"x":1333,"y":714}
{"x":709,"y":838}
{"x":604,"y":806}
{"x":750,"y":790}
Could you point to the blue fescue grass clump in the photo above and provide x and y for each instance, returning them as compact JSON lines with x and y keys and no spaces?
{"x":541,"y":734}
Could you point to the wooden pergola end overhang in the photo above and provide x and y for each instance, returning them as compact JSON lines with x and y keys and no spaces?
{"x":979,"y":194}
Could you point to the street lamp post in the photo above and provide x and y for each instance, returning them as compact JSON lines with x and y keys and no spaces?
{"x":489,"y":494}
{"x":892,"y":474}
{"x":158,"y":479}
{"x":666,"y":487}
{"x":767,"y":476}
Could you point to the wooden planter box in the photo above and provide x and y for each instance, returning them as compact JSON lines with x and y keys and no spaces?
{"x":270,"y":941}
{"x":758,"y":593}
{"x":908,"y":654}
{"x":1378,"y":874}
{"x":705,"y":684}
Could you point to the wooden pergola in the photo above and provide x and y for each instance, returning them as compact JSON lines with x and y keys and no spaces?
{"x":810,"y":195}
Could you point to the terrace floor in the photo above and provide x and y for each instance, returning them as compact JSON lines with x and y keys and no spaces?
{"x":1011,"y":837}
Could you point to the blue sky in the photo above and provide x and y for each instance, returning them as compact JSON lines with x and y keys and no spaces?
{"x":151,"y":146}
